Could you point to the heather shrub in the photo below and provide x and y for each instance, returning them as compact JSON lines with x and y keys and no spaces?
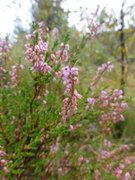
{"x":50,"y":129}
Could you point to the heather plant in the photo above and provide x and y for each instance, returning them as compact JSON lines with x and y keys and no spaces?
{"x":5,"y":47}
{"x":49,"y":128}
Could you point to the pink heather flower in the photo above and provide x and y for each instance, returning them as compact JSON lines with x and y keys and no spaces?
{"x":2,"y":69}
{"x":58,"y":74}
{"x":123,"y":106}
{"x":35,"y":54}
{"x":70,"y":78}
{"x":67,"y":47}
{"x":110,"y":68}
{"x":80,"y":160}
{"x":21,"y":66}
{"x":71,"y":127}
{"x":3,"y":162}
{"x":41,"y":24}
{"x":75,"y":96}
{"x":2,"y":153}
{"x":55,"y":147}
{"x":74,"y":71}
{"x":5,"y":169}
{"x":42,"y":67}
{"x":79,"y":96}
{"x":64,"y":52}
{"x":120,"y":97}
{"x":107,"y":143}
{"x":97,"y":174}
{"x":112,"y":108}
{"x":119,"y":171}
{"x":64,"y":55}
{"x":43,"y":46}
{"x":14,"y":73}
{"x":42,"y":30}
{"x":5,"y":46}
{"x":53,"y":57}
{"x":100,"y":71}
{"x":102,"y":68}
{"x":58,"y":53}
{"x":66,"y":73}
{"x":46,"y":93}
{"x":117,"y":92}
{"x":103,"y":95}
{"x":65,"y":110}
{"x":127,"y":176}
{"x":55,"y":32}
{"x":91,"y":101}
{"x":105,"y":154}
{"x":74,"y":103}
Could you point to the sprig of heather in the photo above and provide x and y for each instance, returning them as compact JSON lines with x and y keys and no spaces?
{"x":117,"y":161}
{"x":37,"y":49}
{"x":15,"y":74}
{"x":5,"y":47}
{"x":3,"y":162}
{"x":70,"y":79}
{"x":112,"y":107}
{"x":108,"y":154}
{"x":121,"y":171}
{"x":100,"y":71}
{"x":43,"y":57}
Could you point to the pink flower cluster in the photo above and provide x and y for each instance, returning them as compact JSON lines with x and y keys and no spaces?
{"x":42,"y":67}
{"x":107,"y":144}
{"x":70,"y":78}
{"x":35,"y":53}
{"x":61,"y":55}
{"x":112,"y":107}
{"x":57,"y":75}
{"x":3,"y":162}
{"x":107,"y":154}
{"x":65,"y":52}
{"x":55,"y":147}
{"x":70,"y":105}
{"x":100,"y":71}
{"x":91,"y":103}
{"x":5,"y":46}
{"x":120,"y":173}
{"x":55,"y":33}
{"x":106,"y":66}
{"x":14,"y":73}
{"x":43,"y":30}
{"x":97,"y":175}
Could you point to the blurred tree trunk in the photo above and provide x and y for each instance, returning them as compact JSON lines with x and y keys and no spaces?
{"x":123,"y":51}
